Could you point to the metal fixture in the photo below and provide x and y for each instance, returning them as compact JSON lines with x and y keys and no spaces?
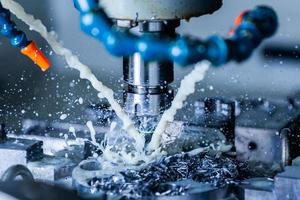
{"x":216,"y":113}
{"x":262,"y":135}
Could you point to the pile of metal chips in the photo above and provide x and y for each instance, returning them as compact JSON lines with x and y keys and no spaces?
{"x":157,"y":178}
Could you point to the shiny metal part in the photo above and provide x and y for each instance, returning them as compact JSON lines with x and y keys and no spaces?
{"x":147,"y":104}
{"x":83,"y":174}
{"x":274,"y":144}
{"x":152,"y":74}
{"x":147,"y":91}
{"x":138,"y":10}
{"x":53,"y":129}
{"x":285,"y":186}
{"x":268,"y":132}
{"x":260,"y":145}
{"x":51,"y":168}
{"x":287,"y":183}
{"x":216,"y":113}
{"x":257,"y":189}
{"x":181,"y":137}
{"x":19,"y":151}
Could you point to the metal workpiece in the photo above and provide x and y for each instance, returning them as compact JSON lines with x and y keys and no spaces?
{"x":287,"y":183}
{"x":19,"y":151}
{"x":284,"y":186}
{"x":82,"y":176}
{"x":257,"y":189}
{"x":267,"y":131}
{"x":32,"y":128}
{"x":257,"y":25}
{"x":159,"y":9}
{"x":296,"y":161}
{"x":179,"y":137}
{"x":51,"y":168}
{"x":183,"y":137}
{"x":31,"y":149}
{"x":261,"y":145}
{"x":216,"y":113}
{"x":264,"y":157}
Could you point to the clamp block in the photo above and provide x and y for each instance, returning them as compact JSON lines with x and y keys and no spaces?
{"x":19,"y":151}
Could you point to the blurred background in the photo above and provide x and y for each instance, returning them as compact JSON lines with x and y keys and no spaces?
{"x":26,"y":92}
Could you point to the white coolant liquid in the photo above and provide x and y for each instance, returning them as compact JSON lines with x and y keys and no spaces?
{"x":73,"y":62}
{"x":138,"y":154}
{"x":91,"y":128}
{"x":187,"y":87}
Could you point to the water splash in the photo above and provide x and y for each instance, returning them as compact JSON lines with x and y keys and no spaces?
{"x":139,"y":154}
{"x":74,"y":62}
{"x":187,"y":87}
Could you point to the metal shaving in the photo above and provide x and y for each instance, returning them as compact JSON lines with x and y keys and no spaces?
{"x":157,"y":179}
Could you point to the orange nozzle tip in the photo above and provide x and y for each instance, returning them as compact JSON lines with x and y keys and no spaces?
{"x":239,"y":19}
{"x":36,"y":55}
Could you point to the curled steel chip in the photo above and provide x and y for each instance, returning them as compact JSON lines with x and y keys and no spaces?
{"x":157,"y":178}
